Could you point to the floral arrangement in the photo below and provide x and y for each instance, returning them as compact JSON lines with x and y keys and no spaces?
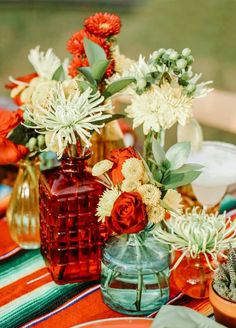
{"x":224,"y":282}
{"x":61,"y":107}
{"x":132,"y":199}
{"x":197,"y":232}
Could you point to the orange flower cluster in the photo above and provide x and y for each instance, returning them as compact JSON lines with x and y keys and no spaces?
{"x":10,"y":152}
{"x":99,"y":28}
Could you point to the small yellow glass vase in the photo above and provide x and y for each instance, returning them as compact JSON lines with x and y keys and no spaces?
{"x":23,"y":208}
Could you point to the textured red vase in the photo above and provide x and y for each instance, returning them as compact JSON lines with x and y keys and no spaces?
{"x":71,"y":236}
{"x":193,"y":276}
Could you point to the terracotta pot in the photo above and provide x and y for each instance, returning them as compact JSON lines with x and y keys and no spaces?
{"x":224,"y":310}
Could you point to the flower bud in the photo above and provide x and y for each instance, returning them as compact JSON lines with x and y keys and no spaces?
{"x":191,"y":88}
{"x":32,"y":143}
{"x":41,"y":140}
{"x":181,"y":63}
{"x":186,"y":52}
{"x":174,"y":55}
{"x":190,"y":59}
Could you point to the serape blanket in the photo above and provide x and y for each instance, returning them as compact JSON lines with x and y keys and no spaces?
{"x":29,"y":297}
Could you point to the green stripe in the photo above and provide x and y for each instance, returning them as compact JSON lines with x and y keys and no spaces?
{"x":34,"y":304}
{"x":17,"y":260}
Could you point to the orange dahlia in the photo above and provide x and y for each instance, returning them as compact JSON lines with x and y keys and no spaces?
{"x":76,"y":62}
{"x":103,"y":24}
{"x":75,"y":44}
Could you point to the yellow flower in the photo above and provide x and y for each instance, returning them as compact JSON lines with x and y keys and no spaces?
{"x":155,"y":213}
{"x":133,"y":169}
{"x":102,"y":167}
{"x":106,"y":203}
{"x":173,"y":199}
{"x":130,"y":185}
{"x":51,"y":143}
{"x":150,"y":194}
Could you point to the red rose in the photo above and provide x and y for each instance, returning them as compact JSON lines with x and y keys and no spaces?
{"x":11,"y":153}
{"x":128,"y":214}
{"x":118,"y":157}
{"x":9,"y":120}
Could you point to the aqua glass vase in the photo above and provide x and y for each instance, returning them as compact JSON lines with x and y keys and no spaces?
{"x":135,"y":274}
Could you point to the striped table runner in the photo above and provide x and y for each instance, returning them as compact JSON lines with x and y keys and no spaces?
{"x":29,"y":297}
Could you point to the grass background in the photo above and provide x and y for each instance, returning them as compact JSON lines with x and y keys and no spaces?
{"x":206,"y":26}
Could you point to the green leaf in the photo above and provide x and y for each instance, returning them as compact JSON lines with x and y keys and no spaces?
{"x":21,"y":135}
{"x":109,"y":119}
{"x":167,"y":207}
{"x":158,"y":152}
{"x":178,"y":154}
{"x":188,"y":167}
{"x":177,"y":180}
{"x":99,"y":69}
{"x":87,"y":72}
{"x":93,"y":51}
{"x":117,"y":86}
{"x":83,"y":85}
{"x":59,"y":74}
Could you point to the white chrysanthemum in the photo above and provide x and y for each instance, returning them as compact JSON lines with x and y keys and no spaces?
{"x":173,"y":200}
{"x":106,"y":203}
{"x":155,"y":213}
{"x":150,"y":194}
{"x":130,"y":185}
{"x":160,"y":107}
{"x":201,"y":89}
{"x":101,"y":167}
{"x":44,"y":63}
{"x":133,"y":169}
{"x":122,"y":63}
{"x":68,"y":118}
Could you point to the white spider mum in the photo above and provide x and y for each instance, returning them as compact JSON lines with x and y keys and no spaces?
{"x":106,"y":203}
{"x":160,"y":107}
{"x":44,"y":63}
{"x":68,"y":118}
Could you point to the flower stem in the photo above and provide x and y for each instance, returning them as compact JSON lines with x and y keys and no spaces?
{"x":140,"y":276}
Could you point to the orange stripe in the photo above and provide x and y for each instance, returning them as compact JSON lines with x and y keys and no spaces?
{"x":88,"y":309}
{"x":24,"y":286}
{"x":6,"y":244}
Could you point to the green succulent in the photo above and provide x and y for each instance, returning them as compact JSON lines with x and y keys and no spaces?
{"x":224,"y":282}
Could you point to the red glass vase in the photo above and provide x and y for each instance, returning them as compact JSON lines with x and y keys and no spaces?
{"x":71,"y":236}
{"x":193,"y":276}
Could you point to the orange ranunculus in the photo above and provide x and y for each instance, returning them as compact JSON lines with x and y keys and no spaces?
{"x":9,"y":120}
{"x":128,"y":214}
{"x":118,"y":157}
{"x":11,"y":153}
{"x":26,"y":78}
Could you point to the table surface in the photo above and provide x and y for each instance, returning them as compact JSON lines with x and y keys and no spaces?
{"x":29,"y":297}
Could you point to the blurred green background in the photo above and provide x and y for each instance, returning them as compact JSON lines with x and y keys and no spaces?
{"x":206,"y":26}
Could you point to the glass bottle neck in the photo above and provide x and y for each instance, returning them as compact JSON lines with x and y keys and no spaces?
{"x":73,"y":164}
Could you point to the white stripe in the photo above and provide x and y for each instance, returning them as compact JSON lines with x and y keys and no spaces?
{"x":15,"y":250}
{"x":62,"y":307}
{"x":13,"y":275}
{"x":36,"y":279}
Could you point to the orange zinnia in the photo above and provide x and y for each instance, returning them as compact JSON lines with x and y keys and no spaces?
{"x":103,"y":25}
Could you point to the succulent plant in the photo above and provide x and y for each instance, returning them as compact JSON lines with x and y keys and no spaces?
{"x":224,"y":282}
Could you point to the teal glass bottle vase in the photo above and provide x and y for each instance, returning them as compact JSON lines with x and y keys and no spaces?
{"x":135,"y":273}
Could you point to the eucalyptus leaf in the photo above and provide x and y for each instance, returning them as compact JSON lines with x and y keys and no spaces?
{"x":93,"y":51}
{"x":117,"y":86}
{"x":188,"y":167}
{"x":109,"y":119}
{"x":99,"y":69}
{"x":59,"y":74}
{"x":178,"y":154}
{"x":167,"y":207}
{"x":150,"y":175}
{"x":87,"y":72}
{"x":84,"y":85}
{"x":177,"y":180}
{"x":158,"y":152}
{"x":21,"y":135}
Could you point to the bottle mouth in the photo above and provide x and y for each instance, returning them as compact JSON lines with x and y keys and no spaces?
{"x":83,"y":156}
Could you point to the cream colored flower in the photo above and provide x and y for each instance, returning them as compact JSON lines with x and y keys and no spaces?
{"x":160,"y":107}
{"x":133,"y":169}
{"x":150,"y":194}
{"x":51,"y":142}
{"x":70,"y":86}
{"x":173,"y":199}
{"x":155,"y":213}
{"x":42,"y":94}
{"x":101,"y":167}
{"x":122,"y":63}
{"x":106,"y":203}
{"x":130,"y":185}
